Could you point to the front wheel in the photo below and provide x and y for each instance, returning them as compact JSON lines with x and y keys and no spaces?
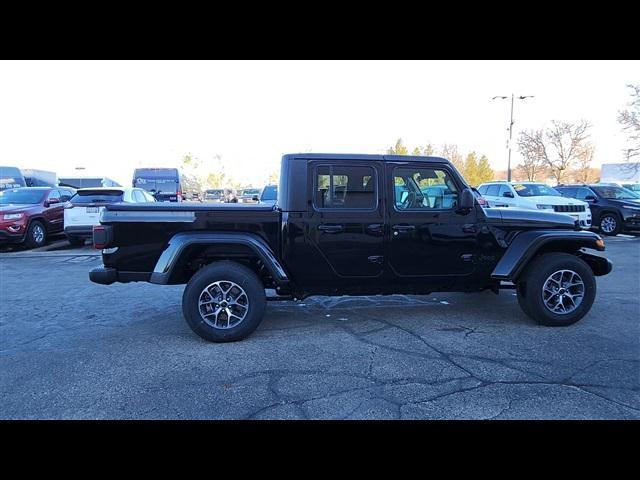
{"x":36,"y":235}
{"x":224,"y":302}
{"x":558,"y":289}
{"x":610,"y":224}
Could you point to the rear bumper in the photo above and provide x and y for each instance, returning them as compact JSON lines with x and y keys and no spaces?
{"x":107,"y":275}
{"x":85,"y":231}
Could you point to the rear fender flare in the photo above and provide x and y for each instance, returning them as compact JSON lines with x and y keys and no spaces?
{"x":171,"y":255}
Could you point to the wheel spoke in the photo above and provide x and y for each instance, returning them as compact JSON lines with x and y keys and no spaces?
{"x":563,"y":291}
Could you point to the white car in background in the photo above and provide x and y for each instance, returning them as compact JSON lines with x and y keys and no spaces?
{"x":535,"y":196}
{"x":83,"y":210}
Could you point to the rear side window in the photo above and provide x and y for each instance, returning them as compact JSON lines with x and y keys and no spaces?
{"x":492,"y":190}
{"x":338,"y":186}
{"x":483,"y":189}
{"x":97,"y":196}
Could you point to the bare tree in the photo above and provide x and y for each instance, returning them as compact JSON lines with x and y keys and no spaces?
{"x":451,"y":153}
{"x":584,"y":173}
{"x":630,"y":121}
{"x":531,"y":147}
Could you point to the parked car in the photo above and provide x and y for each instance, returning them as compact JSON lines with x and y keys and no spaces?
{"x":83,"y":210}
{"x":535,"y":196}
{"x":342,"y":229}
{"x":163,"y":183}
{"x":11,"y":177}
{"x":214,"y":195}
{"x":615,"y":209}
{"x":249,"y":195}
{"x":29,"y":214}
{"x":269,"y":195}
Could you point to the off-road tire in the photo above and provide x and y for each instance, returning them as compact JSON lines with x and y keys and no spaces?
{"x":530,"y":288}
{"x":224,"y":271}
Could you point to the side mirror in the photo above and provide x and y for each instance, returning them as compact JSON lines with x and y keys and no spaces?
{"x":508,"y":194}
{"x":467,"y":200}
{"x":51,"y":201}
{"x":255,"y":198}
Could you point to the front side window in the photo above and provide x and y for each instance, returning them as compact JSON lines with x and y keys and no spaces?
{"x":504,"y":189}
{"x":345,"y":187}
{"x":582,"y":193}
{"x":139,"y":197}
{"x":424,"y":188}
{"x":53,"y":194}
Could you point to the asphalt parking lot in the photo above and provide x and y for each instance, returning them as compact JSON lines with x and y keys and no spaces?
{"x":72,"y":349}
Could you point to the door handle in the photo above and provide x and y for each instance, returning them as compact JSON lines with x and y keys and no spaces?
{"x":375,"y":228}
{"x":331,"y":228}
{"x":404,"y":228}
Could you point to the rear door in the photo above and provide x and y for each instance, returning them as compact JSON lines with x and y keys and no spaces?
{"x":506,"y":197}
{"x":346,"y":220}
{"x":492,"y":195}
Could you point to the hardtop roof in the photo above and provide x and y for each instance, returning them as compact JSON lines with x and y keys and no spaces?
{"x":363,"y":156}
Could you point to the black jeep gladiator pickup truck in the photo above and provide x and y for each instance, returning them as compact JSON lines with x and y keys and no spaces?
{"x":350,"y":225}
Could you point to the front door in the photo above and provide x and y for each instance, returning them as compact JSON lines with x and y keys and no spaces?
{"x":345,"y":227}
{"x":430,"y":239}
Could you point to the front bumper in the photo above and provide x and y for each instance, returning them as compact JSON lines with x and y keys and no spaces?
{"x":8,"y":237}
{"x":631,"y":222}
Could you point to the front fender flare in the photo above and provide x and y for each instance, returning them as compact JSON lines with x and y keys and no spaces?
{"x":527,"y":244}
{"x":180,"y":241}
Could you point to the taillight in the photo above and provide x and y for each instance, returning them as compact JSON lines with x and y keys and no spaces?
{"x":101,"y":236}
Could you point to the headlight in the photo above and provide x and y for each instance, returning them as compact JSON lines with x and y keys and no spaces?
{"x":13,"y":216}
{"x":630,"y":207}
{"x":544,"y":207}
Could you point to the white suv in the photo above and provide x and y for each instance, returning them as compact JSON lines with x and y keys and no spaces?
{"x":82,"y":211}
{"x":535,"y":196}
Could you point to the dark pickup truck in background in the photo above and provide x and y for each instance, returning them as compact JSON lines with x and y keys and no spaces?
{"x":350,"y":225}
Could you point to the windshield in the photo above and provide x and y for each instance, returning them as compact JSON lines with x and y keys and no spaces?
{"x":616,"y":193}
{"x":214,"y":192}
{"x":97,"y":196}
{"x":535,"y":190}
{"x":22,"y":196}
{"x":634,"y":187}
{"x":157,"y":185}
{"x":251,"y":191}
{"x":270,"y":193}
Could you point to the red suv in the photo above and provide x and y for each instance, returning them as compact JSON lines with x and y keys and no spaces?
{"x":28,"y":215}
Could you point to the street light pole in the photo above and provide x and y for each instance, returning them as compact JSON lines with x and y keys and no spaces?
{"x":521,"y":97}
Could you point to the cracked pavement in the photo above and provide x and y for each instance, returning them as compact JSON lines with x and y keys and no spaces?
{"x":70,"y":349}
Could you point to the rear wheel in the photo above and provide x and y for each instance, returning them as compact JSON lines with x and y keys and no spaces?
{"x":610,"y":224}
{"x":224,"y":302}
{"x":36,"y":235}
{"x":558,"y":289}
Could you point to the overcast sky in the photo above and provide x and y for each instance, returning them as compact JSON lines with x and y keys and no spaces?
{"x":112,"y":116}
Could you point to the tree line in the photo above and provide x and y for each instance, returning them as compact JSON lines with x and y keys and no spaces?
{"x":475,"y":170}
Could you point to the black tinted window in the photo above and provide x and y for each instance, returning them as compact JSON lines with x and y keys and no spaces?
{"x":97,"y":196}
{"x":270,"y":192}
{"x":582,"y":193}
{"x":345,"y":187}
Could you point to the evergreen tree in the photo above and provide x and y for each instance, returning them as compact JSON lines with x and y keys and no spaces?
{"x":484,"y":173}
{"x":399,"y":149}
{"x":470,"y":170}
